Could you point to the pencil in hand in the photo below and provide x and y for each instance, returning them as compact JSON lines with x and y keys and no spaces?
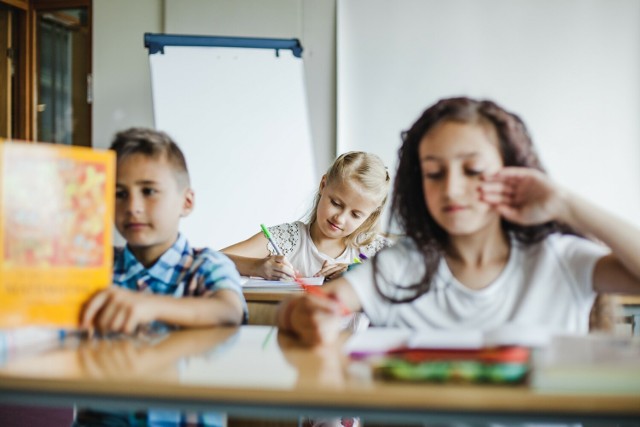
{"x":266,"y":233}
{"x":315,"y":290}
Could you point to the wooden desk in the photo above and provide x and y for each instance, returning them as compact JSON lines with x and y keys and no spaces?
{"x":631,"y":309}
{"x":263,"y":304}
{"x":254,"y":371}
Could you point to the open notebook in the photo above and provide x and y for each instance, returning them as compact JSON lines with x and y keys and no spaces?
{"x":385,"y":340}
{"x":256,"y":283}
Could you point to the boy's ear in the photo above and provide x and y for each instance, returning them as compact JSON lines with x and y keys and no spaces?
{"x":188,"y":203}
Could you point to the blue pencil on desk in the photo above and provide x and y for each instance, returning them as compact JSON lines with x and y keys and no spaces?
{"x":268,"y":236}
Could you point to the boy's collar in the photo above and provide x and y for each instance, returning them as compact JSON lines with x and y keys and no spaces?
{"x":168,"y":261}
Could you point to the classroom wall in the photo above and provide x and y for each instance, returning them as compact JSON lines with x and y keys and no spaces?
{"x":569,"y":68}
{"x":122,"y":85}
{"x":593,"y":152}
{"x":121,"y":80}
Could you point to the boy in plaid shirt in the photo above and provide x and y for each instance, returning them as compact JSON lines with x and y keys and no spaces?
{"x":158,"y":277}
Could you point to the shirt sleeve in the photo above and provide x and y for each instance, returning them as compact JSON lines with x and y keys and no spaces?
{"x":379,"y":243}
{"x":218,"y":272}
{"x":578,"y":257}
{"x":286,"y":236}
{"x":396,"y":267}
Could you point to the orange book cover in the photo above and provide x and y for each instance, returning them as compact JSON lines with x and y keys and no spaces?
{"x":56,"y":219}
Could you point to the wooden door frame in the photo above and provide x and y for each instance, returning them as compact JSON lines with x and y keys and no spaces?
{"x":26,"y":92}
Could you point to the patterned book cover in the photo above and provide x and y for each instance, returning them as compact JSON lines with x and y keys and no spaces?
{"x":56,"y":219}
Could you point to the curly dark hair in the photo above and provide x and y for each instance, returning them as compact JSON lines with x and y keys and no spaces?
{"x":408,"y":206}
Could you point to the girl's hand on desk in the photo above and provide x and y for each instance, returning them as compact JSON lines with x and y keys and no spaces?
{"x":523,"y":195}
{"x":276,"y":267}
{"x":117,"y":309}
{"x":331,"y":271}
{"x":314,"y":319}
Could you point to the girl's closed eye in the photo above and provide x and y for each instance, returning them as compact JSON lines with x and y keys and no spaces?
{"x":474,"y":171}
{"x":434,"y":175}
{"x":335,"y":203}
{"x":356,"y":215}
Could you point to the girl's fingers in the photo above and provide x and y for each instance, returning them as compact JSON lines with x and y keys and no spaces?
{"x":334,"y":268}
{"x":494,"y":193}
{"x":283,"y":266}
{"x":340,"y":268}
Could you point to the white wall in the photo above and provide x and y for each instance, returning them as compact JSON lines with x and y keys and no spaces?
{"x":570,"y":68}
{"x":122,"y":88}
{"x":121,"y":80}
{"x":311,"y":21}
{"x":567,"y":55}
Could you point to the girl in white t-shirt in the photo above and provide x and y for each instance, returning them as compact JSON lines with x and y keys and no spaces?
{"x":341,"y":228}
{"x":488,"y":238}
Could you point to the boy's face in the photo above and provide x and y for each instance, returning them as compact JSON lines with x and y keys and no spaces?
{"x":149,"y":205}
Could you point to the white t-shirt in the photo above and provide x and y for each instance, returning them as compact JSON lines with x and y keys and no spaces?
{"x":295,"y":242}
{"x":546,"y":284}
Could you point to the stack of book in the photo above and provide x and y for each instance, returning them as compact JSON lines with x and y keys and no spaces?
{"x":594,"y":363}
{"x":498,"y":356}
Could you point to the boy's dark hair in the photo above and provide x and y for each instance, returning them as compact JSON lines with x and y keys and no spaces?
{"x":408,"y":206}
{"x":154,"y":144}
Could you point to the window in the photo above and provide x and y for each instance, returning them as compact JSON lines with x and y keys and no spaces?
{"x":45,"y":76}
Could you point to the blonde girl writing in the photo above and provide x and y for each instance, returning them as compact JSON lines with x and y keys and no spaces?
{"x":341,"y":226}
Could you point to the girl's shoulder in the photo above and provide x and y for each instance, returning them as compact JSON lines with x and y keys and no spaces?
{"x":378,"y":243}
{"x":558,"y":243}
{"x":287,"y":235}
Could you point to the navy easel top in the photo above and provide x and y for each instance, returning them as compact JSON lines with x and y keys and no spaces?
{"x":157,"y":42}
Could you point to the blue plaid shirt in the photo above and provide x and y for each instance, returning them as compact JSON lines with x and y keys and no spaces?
{"x":181,"y":271}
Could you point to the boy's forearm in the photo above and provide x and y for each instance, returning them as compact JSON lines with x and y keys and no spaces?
{"x":222,"y":308}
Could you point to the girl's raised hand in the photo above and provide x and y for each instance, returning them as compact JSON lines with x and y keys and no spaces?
{"x":331,"y":271}
{"x":276,"y":267}
{"x":523,"y":195}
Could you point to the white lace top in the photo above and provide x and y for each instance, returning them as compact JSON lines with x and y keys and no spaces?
{"x":295,"y":242}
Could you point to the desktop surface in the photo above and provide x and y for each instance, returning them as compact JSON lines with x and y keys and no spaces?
{"x":254,"y":370}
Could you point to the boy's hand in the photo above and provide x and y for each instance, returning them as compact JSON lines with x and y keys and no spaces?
{"x":117,"y":309}
{"x":331,"y":271}
{"x":276,"y":267}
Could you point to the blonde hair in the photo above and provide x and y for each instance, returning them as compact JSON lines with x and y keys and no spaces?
{"x":368,"y":171}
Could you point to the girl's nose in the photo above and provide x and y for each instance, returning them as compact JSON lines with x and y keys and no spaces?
{"x":338,"y":217}
{"x":454,"y":184}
